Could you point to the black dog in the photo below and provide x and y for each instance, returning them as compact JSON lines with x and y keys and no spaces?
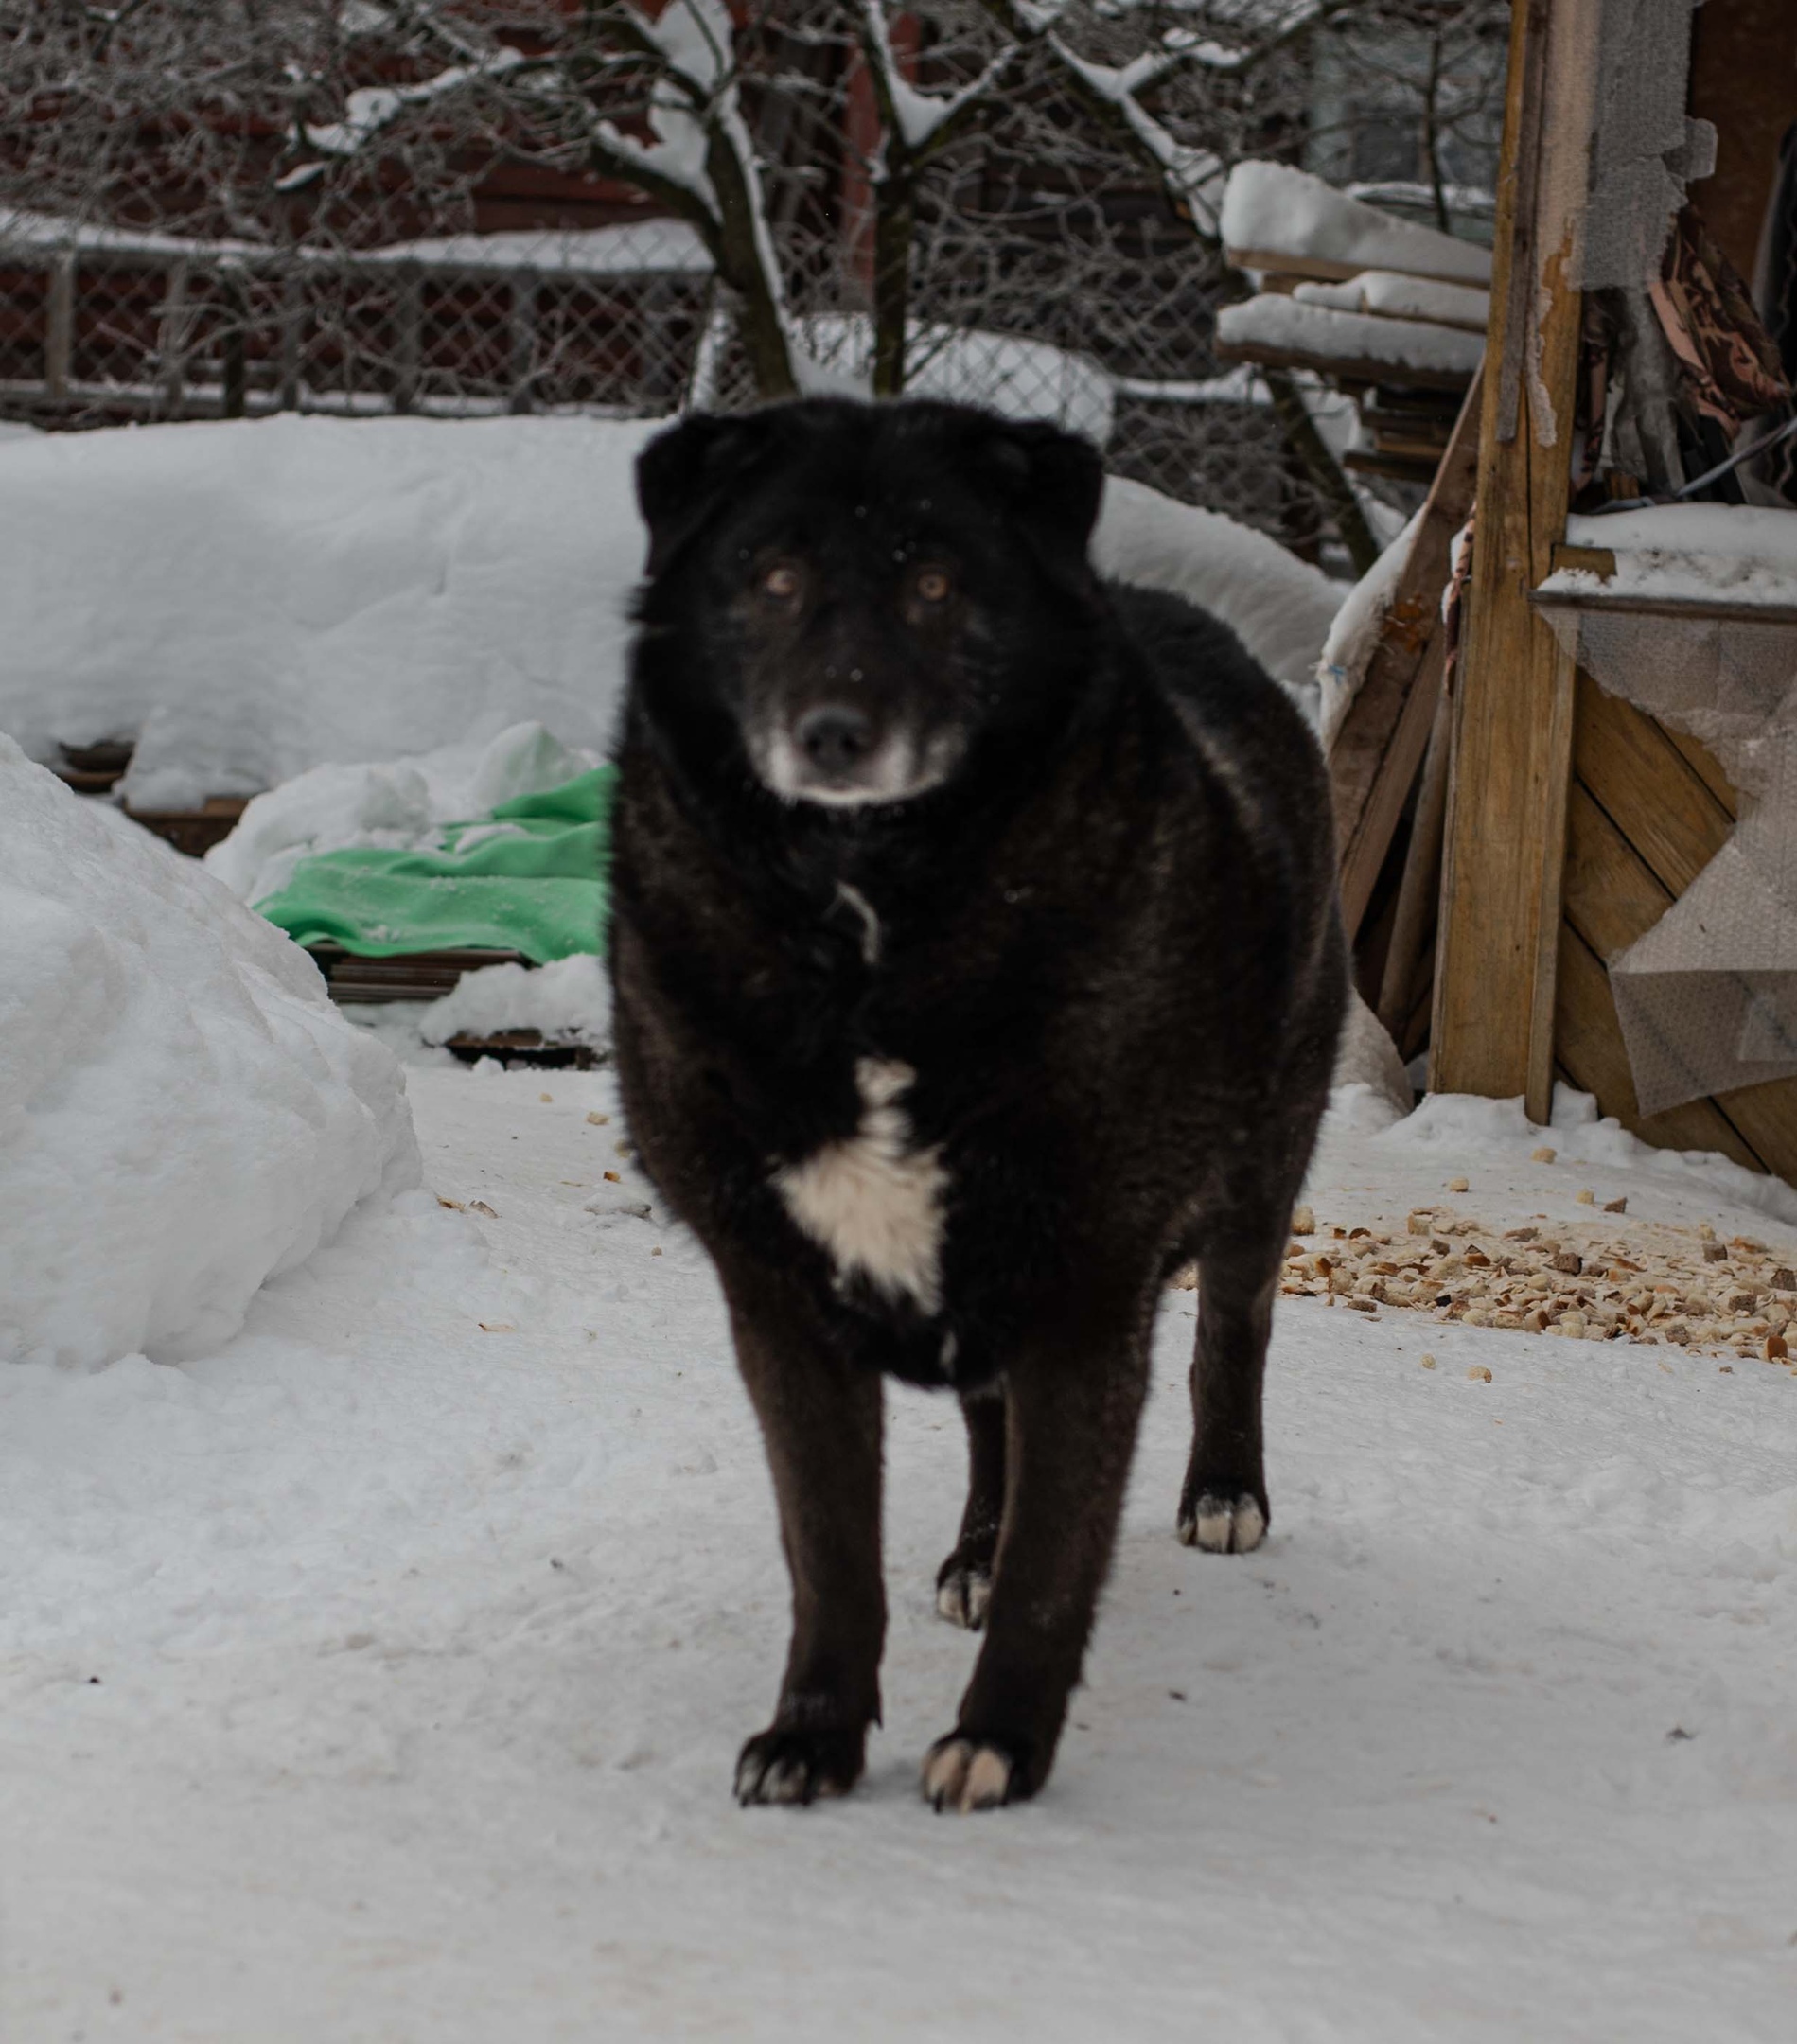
{"x":976,"y":964}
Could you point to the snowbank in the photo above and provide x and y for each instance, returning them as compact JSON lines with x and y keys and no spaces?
{"x":282,"y":593}
{"x":1279,"y":606}
{"x":286,"y":593}
{"x":1272,"y":210}
{"x":1017,"y":378}
{"x":1464,"y":1129}
{"x":182,"y":1112}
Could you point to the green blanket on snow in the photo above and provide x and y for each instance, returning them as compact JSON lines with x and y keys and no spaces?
{"x":534,"y":884}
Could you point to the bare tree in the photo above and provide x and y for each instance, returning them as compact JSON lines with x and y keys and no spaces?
{"x":1045,"y":168}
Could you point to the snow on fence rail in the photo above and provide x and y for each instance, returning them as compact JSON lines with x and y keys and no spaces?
{"x":100,"y":324}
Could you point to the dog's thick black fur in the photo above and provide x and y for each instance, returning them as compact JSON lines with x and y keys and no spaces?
{"x":976,"y":964}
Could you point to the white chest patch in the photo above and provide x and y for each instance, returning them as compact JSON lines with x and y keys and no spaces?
{"x":873,"y":1202}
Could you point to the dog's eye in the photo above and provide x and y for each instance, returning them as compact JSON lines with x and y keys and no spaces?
{"x":781,"y":581}
{"x":933,"y":585}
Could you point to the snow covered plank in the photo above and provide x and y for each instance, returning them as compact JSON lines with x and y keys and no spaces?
{"x":1379,"y":743}
{"x":1275,"y":217}
{"x":1350,"y":347}
{"x":1387,"y":295}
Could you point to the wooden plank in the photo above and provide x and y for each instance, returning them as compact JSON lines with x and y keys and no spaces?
{"x":1379,"y":744}
{"x":1412,"y":920}
{"x":1612,"y":897}
{"x":1498,"y":944}
{"x":1344,"y":368}
{"x":1658,"y":801}
{"x":1589,"y":1047}
{"x":1703,"y":763}
{"x":1557,"y":743}
{"x":1326,"y":269}
{"x":1700,"y":609}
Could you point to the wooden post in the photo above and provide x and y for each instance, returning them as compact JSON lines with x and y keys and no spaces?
{"x":1512,"y":705}
{"x":58,"y":334}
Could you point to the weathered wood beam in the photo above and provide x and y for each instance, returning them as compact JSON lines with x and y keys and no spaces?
{"x":1499,"y":935}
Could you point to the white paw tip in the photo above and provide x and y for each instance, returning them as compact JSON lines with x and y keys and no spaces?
{"x":961,"y":1777}
{"x":964,"y":1597}
{"x":1224,"y":1526}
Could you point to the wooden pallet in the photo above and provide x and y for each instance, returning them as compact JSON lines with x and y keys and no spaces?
{"x":1649,"y":808}
{"x":415,"y":975}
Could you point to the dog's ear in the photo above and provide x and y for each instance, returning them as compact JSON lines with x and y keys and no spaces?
{"x":685,"y":474}
{"x":1053,"y":480}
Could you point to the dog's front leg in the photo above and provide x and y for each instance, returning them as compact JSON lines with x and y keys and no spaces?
{"x":820,"y":1420}
{"x":964,"y":1583}
{"x":1071,"y":1418}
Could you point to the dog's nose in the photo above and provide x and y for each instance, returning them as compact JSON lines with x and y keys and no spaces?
{"x":834,"y":737}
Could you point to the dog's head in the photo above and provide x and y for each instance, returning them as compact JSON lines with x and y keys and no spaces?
{"x":877,"y":589}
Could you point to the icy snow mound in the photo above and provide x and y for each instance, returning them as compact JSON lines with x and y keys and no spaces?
{"x":568,"y":1000}
{"x":1279,"y":606}
{"x":278,"y":593}
{"x":182,"y":1114}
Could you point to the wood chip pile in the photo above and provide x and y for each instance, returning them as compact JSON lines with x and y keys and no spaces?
{"x":1656,"y":1283}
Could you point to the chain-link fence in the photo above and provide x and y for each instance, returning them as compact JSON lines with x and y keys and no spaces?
{"x":416,"y":206}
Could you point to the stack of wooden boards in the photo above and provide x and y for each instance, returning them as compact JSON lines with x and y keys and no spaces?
{"x":1390,"y":312}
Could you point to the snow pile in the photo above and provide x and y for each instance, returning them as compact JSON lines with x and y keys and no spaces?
{"x":1276,"y":324}
{"x":182,"y":1112}
{"x":1017,"y":378}
{"x":1272,"y":211}
{"x":1734,"y":552}
{"x":282,"y":593}
{"x":1462,"y":1127}
{"x":1394,"y":296}
{"x":398,"y":805}
{"x":1279,"y":606}
{"x":291,"y":593}
{"x":568,"y":1001}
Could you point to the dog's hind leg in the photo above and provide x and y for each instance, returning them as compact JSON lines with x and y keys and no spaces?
{"x":1072,"y":1410}
{"x":1223,"y":1508}
{"x":964,"y":1583}
{"x":820,"y":1420}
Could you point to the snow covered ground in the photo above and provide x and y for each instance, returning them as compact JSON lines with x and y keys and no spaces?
{"x":379,"y":1675}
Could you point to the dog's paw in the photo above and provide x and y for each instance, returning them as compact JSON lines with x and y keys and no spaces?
{"x":779,"y":1765}
{"x":964,"y":1590}
{"x":1223,"y":1525}
{"x":963,"y":1774}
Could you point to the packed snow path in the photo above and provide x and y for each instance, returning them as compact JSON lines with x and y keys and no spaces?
{"x":381,"y":1676}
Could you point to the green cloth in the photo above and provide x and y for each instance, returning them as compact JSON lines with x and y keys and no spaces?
{"x":539,"y":888}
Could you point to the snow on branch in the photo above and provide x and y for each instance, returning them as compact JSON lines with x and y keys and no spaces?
{"x":1193,"y":176}
{"x":372,"y":109}
{"x":920,"y":121}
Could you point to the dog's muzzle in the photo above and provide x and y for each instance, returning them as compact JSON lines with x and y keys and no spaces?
{"x":836,"y":753}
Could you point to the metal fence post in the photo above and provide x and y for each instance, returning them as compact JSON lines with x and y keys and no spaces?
{"x":523,"y":328}
{"x":58,"y":332}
